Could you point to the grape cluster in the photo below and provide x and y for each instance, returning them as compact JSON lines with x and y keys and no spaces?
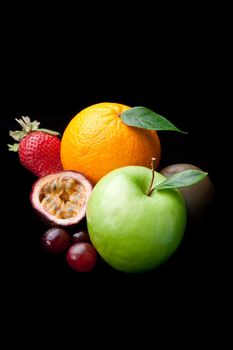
{"x":81,"y":256}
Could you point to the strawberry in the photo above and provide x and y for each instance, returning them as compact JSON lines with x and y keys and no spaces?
{"x":39,"y":149}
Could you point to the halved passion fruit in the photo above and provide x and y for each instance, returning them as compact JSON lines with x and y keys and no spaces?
{"x":60,"y":199}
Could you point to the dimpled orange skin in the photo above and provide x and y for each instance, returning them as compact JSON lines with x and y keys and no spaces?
{"x":96,"y":141}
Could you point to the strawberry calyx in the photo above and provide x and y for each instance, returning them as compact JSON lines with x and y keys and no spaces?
{"x":27,"y":127}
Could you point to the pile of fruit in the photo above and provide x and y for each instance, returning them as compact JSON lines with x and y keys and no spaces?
{"x":102,"y":172}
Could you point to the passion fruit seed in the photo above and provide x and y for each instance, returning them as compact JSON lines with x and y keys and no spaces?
{"x":62,"y":197}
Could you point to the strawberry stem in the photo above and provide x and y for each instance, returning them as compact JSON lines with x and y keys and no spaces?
{"x":51,"y":132}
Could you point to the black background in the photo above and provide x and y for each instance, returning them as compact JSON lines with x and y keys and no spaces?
{"x":179,"y":76}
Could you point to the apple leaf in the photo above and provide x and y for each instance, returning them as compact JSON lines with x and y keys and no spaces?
{"x":145,"y":118}
{"x":182,"y":179}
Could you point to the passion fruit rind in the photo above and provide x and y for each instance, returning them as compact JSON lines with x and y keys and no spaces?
{"x":60,"y":199}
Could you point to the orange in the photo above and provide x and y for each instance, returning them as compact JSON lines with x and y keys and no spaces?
{"x":96,"y":141}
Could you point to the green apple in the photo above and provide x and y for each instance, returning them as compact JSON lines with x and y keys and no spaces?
{"x":134,"y":231}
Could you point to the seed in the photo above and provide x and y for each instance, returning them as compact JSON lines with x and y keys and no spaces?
{"x":75,"y":198}
{"x":56,"y":186}
{"x":79,"y":188}
{"x":59,"y":212}
{"x":54,"y":205}
{"x":69,"y":186}
{"x":69,"y":210}
{"x":46,"y":188}
{"x":46,"y":200}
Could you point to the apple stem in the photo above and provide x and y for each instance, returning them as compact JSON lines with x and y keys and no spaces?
{"x":150,"y":190}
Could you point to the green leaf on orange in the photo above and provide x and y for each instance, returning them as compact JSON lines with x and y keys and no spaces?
{"x":142,"y":117}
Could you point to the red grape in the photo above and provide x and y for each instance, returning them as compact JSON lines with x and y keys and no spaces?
{"x":56,"y":240}
{"x":80,"y":236}
{"x":81,"y":257}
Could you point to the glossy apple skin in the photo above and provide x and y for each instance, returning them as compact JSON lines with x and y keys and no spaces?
{"x":130,"y":230}
{"x":198,"y":197}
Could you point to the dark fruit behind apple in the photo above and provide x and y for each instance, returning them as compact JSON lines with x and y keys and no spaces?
{"x":198,"y":197}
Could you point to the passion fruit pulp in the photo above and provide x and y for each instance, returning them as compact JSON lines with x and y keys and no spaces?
{"x":60,"y":199}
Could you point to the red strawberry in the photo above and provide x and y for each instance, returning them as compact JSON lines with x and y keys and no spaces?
{"x":39,"y":149}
